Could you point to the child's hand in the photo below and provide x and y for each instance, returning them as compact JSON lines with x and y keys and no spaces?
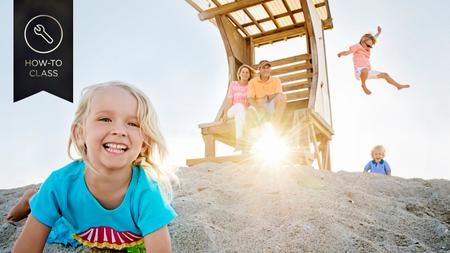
{"x":379,"y":29}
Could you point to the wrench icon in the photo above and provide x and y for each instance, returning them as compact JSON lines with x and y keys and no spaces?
{"x":40,"y":30}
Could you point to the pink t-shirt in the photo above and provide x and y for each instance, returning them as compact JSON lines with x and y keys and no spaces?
{"x":238,"y":93}
{"x":360,"y":56}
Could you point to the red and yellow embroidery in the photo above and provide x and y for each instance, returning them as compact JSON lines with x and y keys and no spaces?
{"x":107,"y":237}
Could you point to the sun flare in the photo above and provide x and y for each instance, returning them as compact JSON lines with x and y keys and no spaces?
{"x":270,"y":148}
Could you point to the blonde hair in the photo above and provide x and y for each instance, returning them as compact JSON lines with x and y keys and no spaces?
{"x":378,"y":147}
{"x":250,"y":69}
{"x":368,"y":36}
{"x":151,"y":158}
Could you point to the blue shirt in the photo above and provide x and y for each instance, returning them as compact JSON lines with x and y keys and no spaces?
{"x":381,"y":168}
{"x":65,"y":194}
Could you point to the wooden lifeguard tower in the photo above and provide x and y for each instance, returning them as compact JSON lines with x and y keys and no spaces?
{"x":247,"y":24}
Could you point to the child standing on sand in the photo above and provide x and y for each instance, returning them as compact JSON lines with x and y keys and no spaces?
{"x":378,"y":165}
{"x":116,"y":196}
{"x":363,"y":69}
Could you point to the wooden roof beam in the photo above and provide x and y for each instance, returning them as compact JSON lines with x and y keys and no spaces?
{"x":232,"y":19}
{"x":254,"y":20}
{"x":247,"y":34}
{"x":279,"y":34}
{"x":270,"y":16}
{"x":282,"y":15}
{"x":289,"y":11}
{"x":228,"y":8}
{"x":194,"y":5}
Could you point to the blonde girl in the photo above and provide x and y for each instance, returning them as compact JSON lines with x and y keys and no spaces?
{"x":117,"y":195}
{"x":363,"y":69}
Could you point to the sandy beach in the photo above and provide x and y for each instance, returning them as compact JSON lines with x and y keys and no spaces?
{"x":248,"y":208}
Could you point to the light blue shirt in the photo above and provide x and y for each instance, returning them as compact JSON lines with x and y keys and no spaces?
{"x":65,"y":194}
{"x":381,"y":168}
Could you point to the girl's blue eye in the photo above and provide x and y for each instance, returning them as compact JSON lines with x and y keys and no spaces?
{"x":133,"y":124}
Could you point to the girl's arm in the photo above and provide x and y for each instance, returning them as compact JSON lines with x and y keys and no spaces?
{"x":378,"y":32}
{"x":225,"y":110}
{"x":344,"y":53}
{"x":33,"y":237}
{"x":158,"y":241}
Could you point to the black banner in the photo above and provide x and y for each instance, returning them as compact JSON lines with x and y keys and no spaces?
{"x":43,"y":48}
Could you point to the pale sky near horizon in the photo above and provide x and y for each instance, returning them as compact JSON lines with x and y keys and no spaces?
{"x":180,"y":62}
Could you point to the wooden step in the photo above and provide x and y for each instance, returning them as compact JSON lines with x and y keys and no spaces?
{"x":296,"y":86}
{"x":219,"y":159}
{"x":220,"y":129}
{"x":297,"y":95}
{"x":297,"y":104}
{"x":291,"y":68}
{"x":299,"y":156}
{"x":288,"y":60}
{"x":295,"y":77}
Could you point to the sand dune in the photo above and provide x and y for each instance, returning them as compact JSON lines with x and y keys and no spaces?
{"x":247,"y":208}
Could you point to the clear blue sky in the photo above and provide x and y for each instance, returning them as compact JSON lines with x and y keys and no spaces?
{"x":180,"y":62}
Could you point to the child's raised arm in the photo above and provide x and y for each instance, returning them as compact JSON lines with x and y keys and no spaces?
{"x":378,"y":32}
{"x":344,"y":53}
{"x":158,"y":241}
{"x":33,"y":237}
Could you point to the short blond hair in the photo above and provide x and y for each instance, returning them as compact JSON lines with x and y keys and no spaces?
{"x":379,"y":148}
{"x":152,"y":158}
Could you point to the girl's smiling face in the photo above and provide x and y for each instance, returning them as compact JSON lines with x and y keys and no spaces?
{"x":111,"y":129}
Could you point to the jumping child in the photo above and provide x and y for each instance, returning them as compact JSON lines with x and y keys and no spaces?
{"x":363,"y":70}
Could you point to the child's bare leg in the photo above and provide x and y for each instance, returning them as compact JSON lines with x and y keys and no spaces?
{"x":363,"y":76}
{"x":390,"y":80}
{"x":21,"y":209}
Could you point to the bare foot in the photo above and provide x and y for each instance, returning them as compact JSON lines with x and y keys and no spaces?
{"x":21,"y":209}
{"x":403,"y":86}
{"x":367,"y":91}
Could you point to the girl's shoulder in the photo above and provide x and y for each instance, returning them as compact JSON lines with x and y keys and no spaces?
{"x":144,"y":181}
{"x":69,"y":172}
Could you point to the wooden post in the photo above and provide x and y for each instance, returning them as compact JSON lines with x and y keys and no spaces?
{"x":327,"y":156}
{"x":210,"y":145}
{"x":314,"y":142}
{"x":325,"y":153}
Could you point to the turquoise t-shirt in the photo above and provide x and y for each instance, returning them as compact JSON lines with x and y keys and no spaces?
{"x":65,"y":194}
